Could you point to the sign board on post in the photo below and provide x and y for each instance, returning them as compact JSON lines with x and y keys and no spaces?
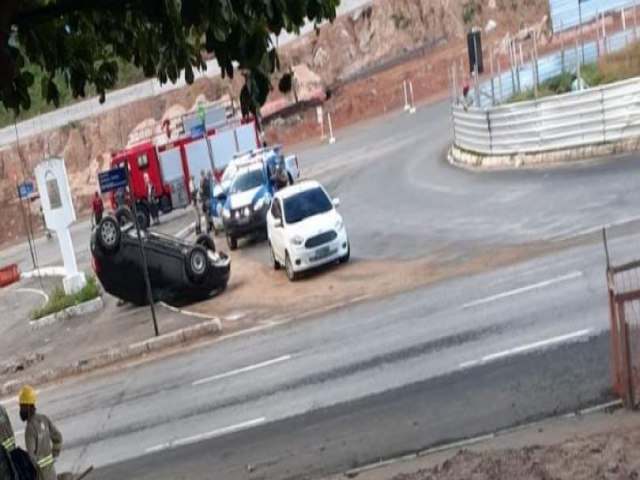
{"x":59,"y":214}
{"x":198,"y":131}
{"x":25,"y":190}
{"x":112,"y":180}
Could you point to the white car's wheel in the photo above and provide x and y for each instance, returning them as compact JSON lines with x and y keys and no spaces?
{"x":274,"y":261}
{"x":291,"y":274}
{"x":345,"y":258}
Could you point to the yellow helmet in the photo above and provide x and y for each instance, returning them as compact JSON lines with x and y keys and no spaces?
{"x":27,"y":396}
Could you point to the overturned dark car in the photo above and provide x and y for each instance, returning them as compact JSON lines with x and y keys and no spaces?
{"x":179,"y":271}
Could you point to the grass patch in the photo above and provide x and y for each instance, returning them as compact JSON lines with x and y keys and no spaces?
{"x":611,"y":68}
{"x":59,"y":301}
{"x":127,"y":75}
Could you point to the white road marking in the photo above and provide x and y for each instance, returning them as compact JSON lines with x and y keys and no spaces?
{"x":528,"y":288}
{"x":527,"y":348}
{"x":186,"y":231}
{"x":617,"y":223}
{"x":34,"y":290}
{"x":250,"y":368}
{"x":207,"y":435}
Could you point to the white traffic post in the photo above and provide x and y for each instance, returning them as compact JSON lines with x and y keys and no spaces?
{"x":332,"y":139}
{"x":412,"y":110}
{"x":604,"y":34}
{"x":59,"y":214}
{"x":624,"y":19}
{"x":406,"y":96}
{"x":320,"y":120}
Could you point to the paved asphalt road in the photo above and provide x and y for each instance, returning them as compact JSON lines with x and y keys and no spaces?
{"x":388,"y":376}
{"x":400,"y":199}
{"x":454,"y":360}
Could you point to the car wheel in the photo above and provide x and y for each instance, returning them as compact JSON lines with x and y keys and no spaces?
{"x":206,"y":242}
{"x":232,"y":242}
{"x":124,"y":215}
{"x":197,"y":263}
{"x":274,"y":261}
{"x":144,"y":217}
{"x":291,"y":275}
{"x":345,"y":258}
{"x":109,"y":233}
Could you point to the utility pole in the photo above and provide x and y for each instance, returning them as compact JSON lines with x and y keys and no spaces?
{"x":143,"y":256}
{"x":580,"y":20}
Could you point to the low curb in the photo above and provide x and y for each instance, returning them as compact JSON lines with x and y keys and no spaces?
{"x":73,"y":311}
{"x":185,"y":232}
{"x":115,"y":355}
{"x":478,"y":161}
{"x":45,"y":272}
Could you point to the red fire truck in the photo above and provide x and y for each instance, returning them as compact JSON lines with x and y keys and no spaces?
{"x":171,"y":160}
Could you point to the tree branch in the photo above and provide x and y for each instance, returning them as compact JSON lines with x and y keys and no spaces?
{"x":67,"y":7}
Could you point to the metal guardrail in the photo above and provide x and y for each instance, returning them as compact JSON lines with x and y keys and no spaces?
{"x":606,"y":114}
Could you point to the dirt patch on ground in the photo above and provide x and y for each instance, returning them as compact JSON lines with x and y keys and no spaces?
{"x":603,"y":446}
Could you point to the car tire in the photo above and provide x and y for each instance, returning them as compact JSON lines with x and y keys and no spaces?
{"x":124,"y":215}
{"x":108,"y":233}
{"x":206,"y":242}
{"x":347,"y":256}
{"x":288,"y":266}
{"x":144,"y":216}
{"x":232,"y":242}
{"x":274,"y":262}
{"x":197,"y":263}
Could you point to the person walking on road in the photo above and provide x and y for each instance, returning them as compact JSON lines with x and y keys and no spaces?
{"x":193,"y":191}
{"x":43,"y":440}
{"x":98,"y":209}
{"x":152,"y":199}
{"x":205,"y":184}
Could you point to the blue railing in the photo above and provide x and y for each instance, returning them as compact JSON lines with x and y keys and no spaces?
{"x":565,"y":14}
{"x":506,"y":84}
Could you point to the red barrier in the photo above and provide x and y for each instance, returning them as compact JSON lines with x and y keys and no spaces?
{"x":9,"y":275}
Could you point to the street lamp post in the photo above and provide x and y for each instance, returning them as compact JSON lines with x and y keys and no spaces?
{"x":580,"y":20}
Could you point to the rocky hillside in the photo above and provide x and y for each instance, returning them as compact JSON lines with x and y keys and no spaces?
{"x":353,"y":45}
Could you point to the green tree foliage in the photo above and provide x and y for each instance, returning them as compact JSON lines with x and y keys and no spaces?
{"x":79,"y":42}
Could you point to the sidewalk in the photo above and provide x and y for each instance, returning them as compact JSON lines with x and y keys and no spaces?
{"x":26,"y":352}
{"x":583,"y":447}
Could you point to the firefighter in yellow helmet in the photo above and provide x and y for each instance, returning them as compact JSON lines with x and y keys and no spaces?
{"x":42,"y":438}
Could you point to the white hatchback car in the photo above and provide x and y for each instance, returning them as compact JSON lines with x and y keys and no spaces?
{"x":305,"y":230}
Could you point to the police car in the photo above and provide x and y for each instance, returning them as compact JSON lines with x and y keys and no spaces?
{"x":269,"y":160}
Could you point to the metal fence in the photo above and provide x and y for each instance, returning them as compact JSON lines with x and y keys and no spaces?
{"x":623,"y":281}
{"x":566,"y":14}
{"x":521,"y":78}
{"x":606,"y":114}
